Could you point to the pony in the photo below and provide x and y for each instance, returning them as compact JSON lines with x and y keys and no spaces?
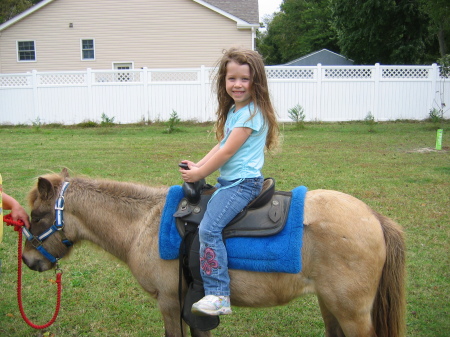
{"x":353,"y":258}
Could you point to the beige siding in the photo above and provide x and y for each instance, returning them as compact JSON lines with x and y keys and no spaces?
{"x":154,"y":34}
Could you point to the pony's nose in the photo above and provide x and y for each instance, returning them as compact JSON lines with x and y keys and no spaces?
{"x":33,"y":264}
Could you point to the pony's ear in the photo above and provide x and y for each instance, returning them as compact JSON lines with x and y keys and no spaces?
{"x":65,"y":173}
{"x":45,"y":188}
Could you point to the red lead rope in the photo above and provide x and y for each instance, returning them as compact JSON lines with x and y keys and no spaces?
{"x":17,"y":227}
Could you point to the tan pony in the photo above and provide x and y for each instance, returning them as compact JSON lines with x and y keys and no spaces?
{"x":353,"y":258}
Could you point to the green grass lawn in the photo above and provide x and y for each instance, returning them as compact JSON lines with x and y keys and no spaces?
{"x":394,"y":170}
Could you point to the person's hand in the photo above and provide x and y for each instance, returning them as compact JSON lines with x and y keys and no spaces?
{"x":189,"y":163}
{"x":19,"y":213}
{"x":191,"y":175}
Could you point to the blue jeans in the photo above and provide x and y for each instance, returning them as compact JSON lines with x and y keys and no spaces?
{"x":222,"y":208}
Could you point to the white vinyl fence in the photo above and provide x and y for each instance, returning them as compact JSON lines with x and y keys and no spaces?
{"x":326,"y":93}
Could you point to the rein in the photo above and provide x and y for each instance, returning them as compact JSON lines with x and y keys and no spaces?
{"x":37,"y":241}
{"x":17,"y":225}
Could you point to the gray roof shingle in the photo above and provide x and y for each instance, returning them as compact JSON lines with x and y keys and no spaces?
{"x":246,"y":10}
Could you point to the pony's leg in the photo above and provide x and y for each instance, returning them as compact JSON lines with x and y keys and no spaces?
{"x":358,"y":327}
{"x":170,"y":310}
{"x":332,"y":327}
{"x":345,"y":320}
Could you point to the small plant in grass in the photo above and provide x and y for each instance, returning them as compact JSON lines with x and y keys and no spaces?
{"x":37,"y":124}
{"x":172,"y":122}
{"x":370,"y":121}
{"x":107,"y":121}
{"x":297,"y":114}
{"x":436,"y":116}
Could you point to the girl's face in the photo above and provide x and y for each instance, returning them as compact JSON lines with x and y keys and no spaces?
{"x":238,"y":83}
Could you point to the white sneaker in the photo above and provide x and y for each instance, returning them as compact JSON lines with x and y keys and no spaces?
{"x":212,"y":305}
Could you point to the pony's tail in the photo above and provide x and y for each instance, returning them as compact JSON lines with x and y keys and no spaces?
{"x":388,"y":312}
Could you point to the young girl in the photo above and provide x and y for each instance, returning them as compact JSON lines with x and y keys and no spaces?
{"x":246,"y":125}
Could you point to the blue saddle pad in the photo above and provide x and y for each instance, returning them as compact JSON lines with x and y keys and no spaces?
{"x":276,"y":253}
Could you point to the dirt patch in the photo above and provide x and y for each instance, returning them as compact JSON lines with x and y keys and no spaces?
{"x":427,"y":150}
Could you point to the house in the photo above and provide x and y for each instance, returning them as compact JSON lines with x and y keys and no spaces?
{"x":64,"y":35}
{"x":325,"y":57}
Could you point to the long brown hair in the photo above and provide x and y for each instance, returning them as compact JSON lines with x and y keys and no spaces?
{"x":259,"y":92}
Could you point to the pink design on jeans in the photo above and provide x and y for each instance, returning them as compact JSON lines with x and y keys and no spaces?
{"x":208,"y":262}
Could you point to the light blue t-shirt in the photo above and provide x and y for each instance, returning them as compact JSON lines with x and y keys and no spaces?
{"x":248,"y":161}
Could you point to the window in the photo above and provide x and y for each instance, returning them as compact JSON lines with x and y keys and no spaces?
{"x":87,"y":50}
{"x":122,"y":65}
{"x":122,"y":76}
{"x":26,"y":51}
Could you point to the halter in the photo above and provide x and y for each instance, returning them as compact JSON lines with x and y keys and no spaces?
{"x":37,"y":241}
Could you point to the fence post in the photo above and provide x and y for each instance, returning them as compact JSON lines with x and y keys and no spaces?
{"x":203,"y":92}
{"x":145,"y":94}
{"x":151,"y":102}
{"x":434,"y":87}
{"x":319,"y":92}
{"x":90,"y":103}
{"x":376,"y":91}
{"x":34,"y":84}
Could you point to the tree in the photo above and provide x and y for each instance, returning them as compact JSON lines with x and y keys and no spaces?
{"x":439,"y":13}
{"x":11,"y":8}
{"x":389,"y":32}
{"x":270,"y":42}
{"x":301,"y":27}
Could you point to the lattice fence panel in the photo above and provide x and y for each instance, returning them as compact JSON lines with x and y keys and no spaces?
{"x":114,"y":77}
{"x":170,"y":76}
{"x":61,"y":79}
{"x":405,"y":73}
{"x":14,"y":81}
{"x":347,"y":73}
{"x":282,"y":74}
{"x":444,"y":73}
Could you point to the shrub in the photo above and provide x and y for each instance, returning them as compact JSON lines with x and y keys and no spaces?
{"x":172,"y":122}
{"x":370,"y":121}
{"x":107,"y":121}
{"x":436,"y":115}
{"x":297,"y":115}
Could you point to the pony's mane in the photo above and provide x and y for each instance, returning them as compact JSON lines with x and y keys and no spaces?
{"x":117,"y":189}
{"x":124,"y":200}
{"x":108,"y":192}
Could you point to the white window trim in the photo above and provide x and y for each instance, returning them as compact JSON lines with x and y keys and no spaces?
{"x":17,"y":51}
{"x":81,"y":50}
{"x":127,"y":62}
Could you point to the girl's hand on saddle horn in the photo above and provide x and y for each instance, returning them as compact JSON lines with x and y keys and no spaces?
{"x":189,"y":164}
{"x":192,"y":175}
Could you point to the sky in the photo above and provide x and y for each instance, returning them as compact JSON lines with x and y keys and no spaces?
{"x":268,"y":7}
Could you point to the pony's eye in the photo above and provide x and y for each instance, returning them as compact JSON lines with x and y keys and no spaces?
{"x":36,"y":217}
